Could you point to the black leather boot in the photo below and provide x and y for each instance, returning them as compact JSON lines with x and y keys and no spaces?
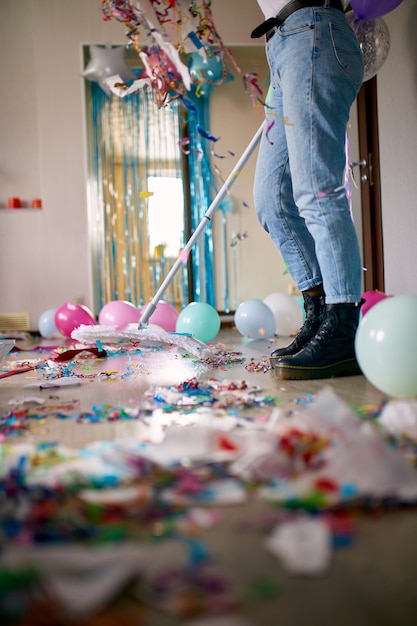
{"x":330,"y":353}
{"x":314,"y":307}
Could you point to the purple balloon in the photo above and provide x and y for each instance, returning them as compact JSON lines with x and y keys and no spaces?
{"x":369,"y":9}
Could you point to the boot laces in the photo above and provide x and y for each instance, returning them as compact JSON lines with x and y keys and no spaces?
{"x":314,"y":317}
{"x":308,"y":327}
{"x":325,"y":333}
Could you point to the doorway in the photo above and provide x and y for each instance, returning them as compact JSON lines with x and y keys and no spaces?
{"x":370,"y":186}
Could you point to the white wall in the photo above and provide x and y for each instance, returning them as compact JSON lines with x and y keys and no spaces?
{"x":44,"y":255}
{"x":44,"y":258}
{"x":397,"y":113}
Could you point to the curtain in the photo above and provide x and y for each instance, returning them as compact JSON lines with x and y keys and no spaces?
{"x":132,"y":141}
{"x":202,"y":190}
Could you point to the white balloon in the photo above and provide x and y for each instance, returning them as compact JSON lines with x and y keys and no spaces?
{"x":287,"y":312}
{"x":107,"y":61}
{"x":374,"y":41}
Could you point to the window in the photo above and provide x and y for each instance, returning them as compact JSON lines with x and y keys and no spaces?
{"x":165,"y":215}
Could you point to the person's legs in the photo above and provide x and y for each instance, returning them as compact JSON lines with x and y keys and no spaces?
{"x":334,"y":65}
{"x":274,"y":200}
{"x":279,"y":216}
{"x":320,"y":65}
{"x":317,"y":66}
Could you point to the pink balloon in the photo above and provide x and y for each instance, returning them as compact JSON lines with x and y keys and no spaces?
{"x":119,"y":313}
{"x":165,"y":316}
{"x":69,"y":316}
{"x":371,"y":298}
{"x":369,"y":9}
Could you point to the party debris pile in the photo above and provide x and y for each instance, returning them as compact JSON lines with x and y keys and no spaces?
{"x":81,"y":528}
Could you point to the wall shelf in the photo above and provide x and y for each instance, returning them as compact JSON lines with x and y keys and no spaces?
{"x":21,"y":210}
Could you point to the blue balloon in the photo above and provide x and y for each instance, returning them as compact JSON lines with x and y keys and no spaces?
{"x":207,"y":72}
{"x":206,"y":67}
{"x":254,"y":319}
{"x":47,"y":326}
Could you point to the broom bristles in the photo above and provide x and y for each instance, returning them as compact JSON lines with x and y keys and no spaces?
{"x":117,"y":334}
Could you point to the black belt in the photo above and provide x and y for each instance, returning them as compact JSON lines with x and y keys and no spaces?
{"x":293,"y":6}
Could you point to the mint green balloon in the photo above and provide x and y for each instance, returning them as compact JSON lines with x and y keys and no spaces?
{"x":200,"y":320}
{"x":386,"y":346}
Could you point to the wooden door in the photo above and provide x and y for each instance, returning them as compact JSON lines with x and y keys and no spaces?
{"x":370,"y":186}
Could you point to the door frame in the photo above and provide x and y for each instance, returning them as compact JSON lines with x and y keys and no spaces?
{"x":370,"y":185}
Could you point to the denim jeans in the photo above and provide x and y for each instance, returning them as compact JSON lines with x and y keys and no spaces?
{"x":316,"y":70}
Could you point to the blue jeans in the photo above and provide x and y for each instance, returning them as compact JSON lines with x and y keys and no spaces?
{"x":316,"y":70}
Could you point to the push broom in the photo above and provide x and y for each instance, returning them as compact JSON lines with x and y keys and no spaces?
{"x":190,"y":344}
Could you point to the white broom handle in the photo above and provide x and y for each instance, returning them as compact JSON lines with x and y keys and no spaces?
{"x":150,"y":308}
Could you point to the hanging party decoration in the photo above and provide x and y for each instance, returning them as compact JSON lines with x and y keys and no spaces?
{"x":369,"y":9}
{"x":171,"y":31}
{"x":166,"y":70}
{"x":107,"y":61}
{"x":374,"y":41}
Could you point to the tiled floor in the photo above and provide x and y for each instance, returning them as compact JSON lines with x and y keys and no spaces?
{"x":372,"y":582}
